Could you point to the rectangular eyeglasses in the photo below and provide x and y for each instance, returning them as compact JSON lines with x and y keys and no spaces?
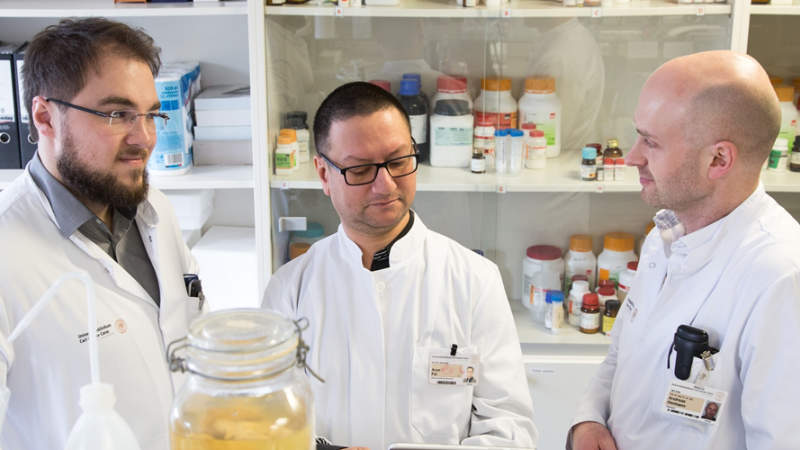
{"x":121,"y":121}
{"x":366,"y":173}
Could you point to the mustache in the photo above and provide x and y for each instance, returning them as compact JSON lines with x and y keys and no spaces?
{"x":131,"y":153}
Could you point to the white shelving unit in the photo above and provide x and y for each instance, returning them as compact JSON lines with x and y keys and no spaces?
{"x":776,"y":10}
{"x":95,"y":8}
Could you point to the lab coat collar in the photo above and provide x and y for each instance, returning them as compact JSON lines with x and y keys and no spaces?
{"x":693,"y":251}
{"x":402,"y":250}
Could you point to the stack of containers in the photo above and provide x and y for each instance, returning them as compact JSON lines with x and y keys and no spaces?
{"x":222,"y":133}
{"x":176,"y":85}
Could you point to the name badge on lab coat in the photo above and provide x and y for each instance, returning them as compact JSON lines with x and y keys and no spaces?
{"x":694,"y":402}
{"x":459,"y":369}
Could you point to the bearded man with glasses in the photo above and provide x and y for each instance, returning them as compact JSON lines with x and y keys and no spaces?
{"x":83,"y":204}
{"x":397,"y":312}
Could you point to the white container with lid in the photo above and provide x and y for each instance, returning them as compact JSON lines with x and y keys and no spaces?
{"x":580,"y":260}
{"x":575,"y":301}
{"x":542,"y":270}
{"x":540,"y":105}
{"x":626,"y":279}
{"x":495,"y":106}
{"x":451,"y":88}
{"x":788,"y":113}
{"x":617,"y":252}
{"x":451,"y":134}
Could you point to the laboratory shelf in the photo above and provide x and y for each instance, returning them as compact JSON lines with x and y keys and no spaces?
{"x":774,"y":10}
{"x":207,"y":177}
{"x":533,"y":334}
{"x":107,"y":8}
{"x":560,"y":175}
{"x":201,"y":177}
{"x":516,"y":8}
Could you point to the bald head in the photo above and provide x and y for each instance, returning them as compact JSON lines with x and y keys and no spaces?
{"x":722,"y":96}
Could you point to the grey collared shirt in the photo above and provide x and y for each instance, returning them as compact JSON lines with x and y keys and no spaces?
{"x":124,"y":245}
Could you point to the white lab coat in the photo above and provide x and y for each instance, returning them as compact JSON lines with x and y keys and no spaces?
{"x":740,"y":277}
{"x":52,"y":361}
{"x":370,"y":335}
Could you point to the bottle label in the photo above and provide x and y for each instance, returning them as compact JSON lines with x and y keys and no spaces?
{"x":588,"y":172}
{"x":448,"y":136}
{"x":795,"y":158}
{"x":590,"y":321}
{"x":285,"y":160}
{"x":498,"y":120}
{"x":608,"y":324}
{"x":419,"y":128}
{"x":478,"y":165}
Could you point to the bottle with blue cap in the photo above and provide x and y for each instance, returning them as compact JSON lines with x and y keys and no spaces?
{"x":515,"y":155}
{"x":554,"y":317}
{"x":416,"y":106}
{"x":502,"y":146}
{"x":589,"y":164}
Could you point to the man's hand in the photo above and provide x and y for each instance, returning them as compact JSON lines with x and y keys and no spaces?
{"x":592,"y":436}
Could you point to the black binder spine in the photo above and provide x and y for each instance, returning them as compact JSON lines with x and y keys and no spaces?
{"x":9,"y":128}
{"x":26,"y":145}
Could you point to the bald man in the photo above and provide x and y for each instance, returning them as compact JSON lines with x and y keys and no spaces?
{"x":724,"y":260}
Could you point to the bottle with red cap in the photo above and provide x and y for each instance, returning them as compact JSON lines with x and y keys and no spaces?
{"x":590,"y":314}
{"x":452,"y":88}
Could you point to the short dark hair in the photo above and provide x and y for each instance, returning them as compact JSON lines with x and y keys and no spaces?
{"x":351,"y":100}
{"x":59,"y":57}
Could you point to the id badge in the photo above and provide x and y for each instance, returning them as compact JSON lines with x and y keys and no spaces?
{"x":697,"y":403}
{"x":455,"y":370}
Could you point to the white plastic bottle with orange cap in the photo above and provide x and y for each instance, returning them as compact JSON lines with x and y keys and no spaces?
{"x":540,"y":105}
{"x":617,"y":252}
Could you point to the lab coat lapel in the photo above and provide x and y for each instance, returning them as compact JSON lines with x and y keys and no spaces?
{"x":366,"y":350}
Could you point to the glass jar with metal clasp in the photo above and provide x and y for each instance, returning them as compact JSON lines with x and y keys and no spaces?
{"x":245,"y":389}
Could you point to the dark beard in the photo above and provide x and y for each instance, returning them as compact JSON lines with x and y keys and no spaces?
{"x":98,"y":187}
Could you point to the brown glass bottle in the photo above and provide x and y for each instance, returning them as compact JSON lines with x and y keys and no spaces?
{"x":590,"y":314}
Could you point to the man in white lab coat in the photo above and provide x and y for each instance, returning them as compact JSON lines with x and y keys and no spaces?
{"x":723,"y":260}
{"x":398,"y":312}
{"x":83,"y":204}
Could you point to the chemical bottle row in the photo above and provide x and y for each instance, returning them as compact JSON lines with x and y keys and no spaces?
{"x":546,"y":276}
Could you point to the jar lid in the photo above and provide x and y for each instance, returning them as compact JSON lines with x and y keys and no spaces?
{"x":385,"y":84}
{"x":618,"y":241}
{"x":605,"y":290}
{"x":285,"y":140}
{"x":296,"y":120}
{"x":633,"y":265}
{"x":544,"y":252}
{"x":613,"y":143}
{"x":528,"y":126}
{"x":313,"y":230}
{"x":409,"y":86}
{"x":451,"y":107}
{"x":451,"y":84}
{"x":501,"y":132}
{"x":516,"y":133}
{"x":554,"y":296}
{"x":496,"y":84}
{"x":540,"y":85}
{"x":612,"y":306}
{"x":785,"y":93}
{"x":537,"y":133}
{"x":291,"y":132}
{"x":591,"y":299}
{"x":580,"y":243}
{"x":589,"y":153}
{"x":243,"y":343}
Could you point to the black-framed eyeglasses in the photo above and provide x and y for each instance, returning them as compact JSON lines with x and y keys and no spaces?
{"x":121,"y":121}
{"x":366,"y":173}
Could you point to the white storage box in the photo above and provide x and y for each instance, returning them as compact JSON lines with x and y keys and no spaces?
{"x":227,"y":260}
{"x":192,"y":207}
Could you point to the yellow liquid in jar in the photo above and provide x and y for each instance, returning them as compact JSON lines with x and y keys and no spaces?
{"x":273,"y":422}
